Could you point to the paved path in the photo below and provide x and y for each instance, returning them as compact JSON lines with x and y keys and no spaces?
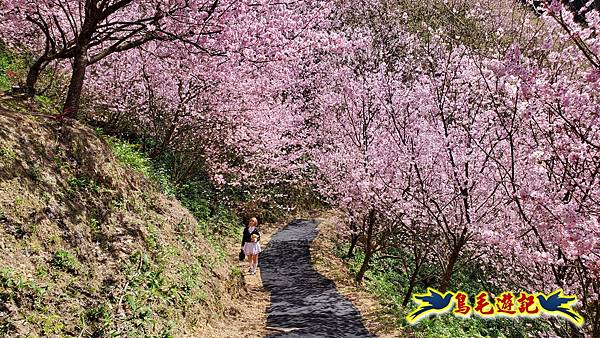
{"x":303,"y":301}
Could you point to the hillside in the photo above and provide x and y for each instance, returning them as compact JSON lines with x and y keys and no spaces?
{"x":440,"y":158}
{"x":93,"y":248}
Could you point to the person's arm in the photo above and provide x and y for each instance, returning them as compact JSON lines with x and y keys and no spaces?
{"x":258,"y":233}
{"x":244,"y":236}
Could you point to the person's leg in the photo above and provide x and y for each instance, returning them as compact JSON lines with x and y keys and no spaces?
{"x":250,"y":262}
{"x":252,"y":268}
{"x":255,"y":262}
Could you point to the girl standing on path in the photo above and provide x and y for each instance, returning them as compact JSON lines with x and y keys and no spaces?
{"x":251,"y":245}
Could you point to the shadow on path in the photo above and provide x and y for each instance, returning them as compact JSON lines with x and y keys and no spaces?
{"x":302,"y":300}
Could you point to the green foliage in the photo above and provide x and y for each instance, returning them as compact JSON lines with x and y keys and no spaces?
{"x":130,"y":155}
{"x":119,"y":203}
{"x":217,"y":245}
{"x":47,"y":105}
{"x":10,"y":66}
{"x":96,"y":231}
{"x":35,"y":173}
{"x":13,"y":286}
{"x":152,"y":237}
{"x":94,"y":225}
{"x":202,"y":200}
{"x":83,"y":184}
{"x":191,"y":280}
{"x":66,"y":261}
{"x":5,"y":63}
{"x":41,"y":271}
{"x":235,"y":271}
{"x":20,"y":292}
{"x":97,"y":319}
{"x":19,"y":200}
{"x":52,"y":324}
{"x":14,"y":67}
{"x":8,"y":154}
{"x":196,"y":197}
{"x":6,"y":326}
{"x":221,"y":225}
{"x":150,"y":283}
{"x":162,"y":177}
{"x":389,"y":283}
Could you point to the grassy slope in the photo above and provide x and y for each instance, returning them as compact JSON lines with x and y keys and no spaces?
{"x":93,"y":248}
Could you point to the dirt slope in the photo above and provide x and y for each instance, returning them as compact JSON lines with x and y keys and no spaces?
{"x":90,"y":248}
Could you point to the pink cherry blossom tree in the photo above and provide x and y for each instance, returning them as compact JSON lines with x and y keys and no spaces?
{"x":86,"y":32}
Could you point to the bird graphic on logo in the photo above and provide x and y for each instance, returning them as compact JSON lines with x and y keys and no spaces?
{"x":558,"y":304}
{"x":430,"y":303}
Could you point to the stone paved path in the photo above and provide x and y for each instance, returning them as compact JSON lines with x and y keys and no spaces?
{"x":303,"y":302}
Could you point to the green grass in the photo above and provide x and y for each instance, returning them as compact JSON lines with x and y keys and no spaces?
{"x":14,"y":286}
{"x":97,"y":319}
{"x":9,"y":66}
{"x":150,"y":283}
{"x":35,"y":173}
{"x":66,"y":261}
{"x":14,"y":66}
{"x":8,"y":154}
{"x":132,"y":157}
{"x":389,"y":285}
{"x":21,"y":292}
{"x":83,"y":184}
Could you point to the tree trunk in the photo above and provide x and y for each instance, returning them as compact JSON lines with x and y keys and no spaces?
{"x":411,"y":287}
{"x":447,"y":276}
{"x":80,"y":64}
{"x":353,"y":241}
{"x":32,"y":76}
{"x":411,"y":283}
{"x":364,"y":266}
{"x":159,"y":150}
{"x":368,"y":247}
{"x":595,"y":319}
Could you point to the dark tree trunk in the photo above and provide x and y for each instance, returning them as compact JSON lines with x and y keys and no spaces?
{"x":33,"y":75}
{"x":595,"y":319}
{"x":353,"y":242}
{"x":447,"y":276}
{"x":159,"y":150}
{"x":80,"y":64}
{"x":412,"y":281}
{"x":411,"y":287}
{"x":364,"y":266}
{"x":368,"y":247}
